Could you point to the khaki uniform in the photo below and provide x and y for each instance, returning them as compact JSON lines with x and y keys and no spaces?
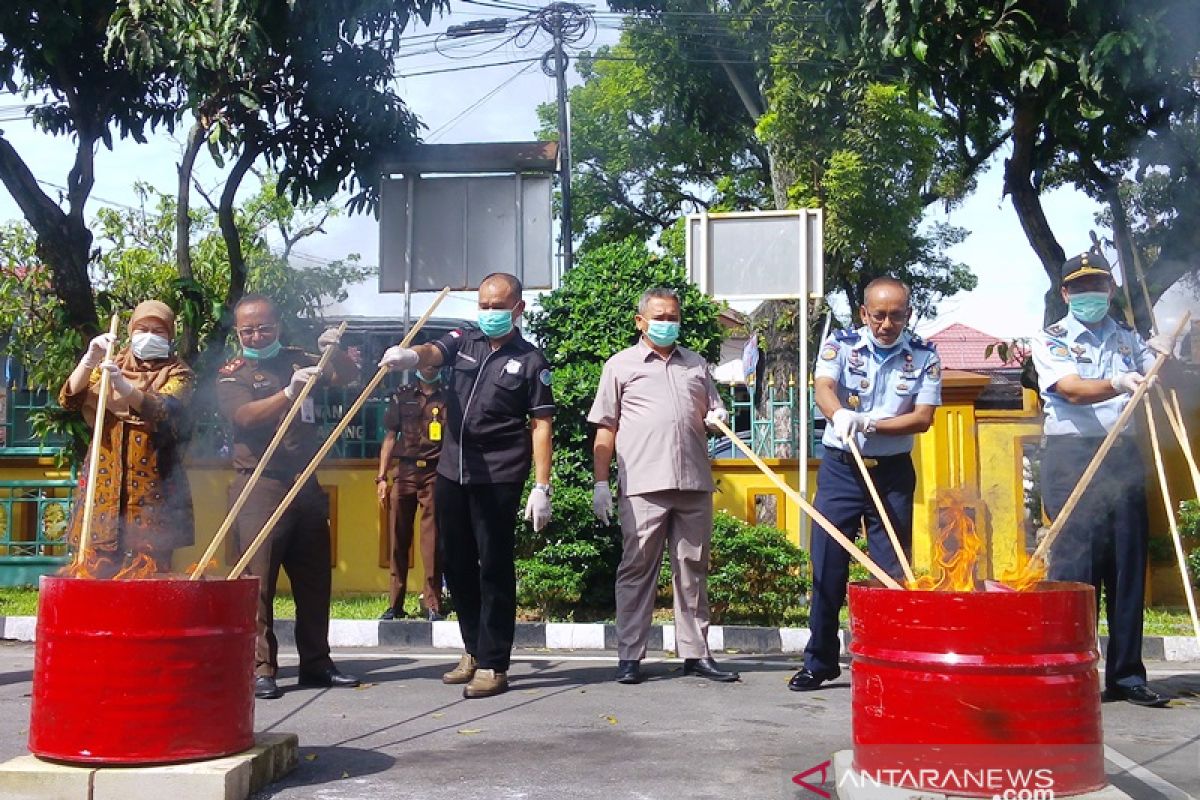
{"x":417,"y":417}
{"x":657,"y":407}
{"x":300,"y":542}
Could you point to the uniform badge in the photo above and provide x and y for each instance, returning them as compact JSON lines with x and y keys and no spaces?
{"x":901,"y":387}
{"x":1082,"y":360}
{"x":864,"y":384}
{"x":829,"y":353}
{"x":435,"y":430}
{"x":545,"y":376}
{"x":1058,"y":350}
{"x":512,"y":367}
{"x":232,"y":366}
{"x":455,"y":334}
{"x":934,"y":371}
{"x":1124,"y":350}
{"x":1056,"y":330}
{"x":854,"y":401}
{"x":856,"y":371}
{"x":1078,"y":350}
{"x":258,"y":376}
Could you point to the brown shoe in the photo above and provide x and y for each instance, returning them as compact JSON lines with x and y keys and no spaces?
{"x":486,"y":683}
{"x":463,"y":673}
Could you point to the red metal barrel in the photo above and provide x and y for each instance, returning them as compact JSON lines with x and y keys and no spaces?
{"x":976,"y":693}
{"x":143,"y":671}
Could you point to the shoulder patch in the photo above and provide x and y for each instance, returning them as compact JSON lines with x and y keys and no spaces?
{"x":546,"y":377}
{"x":829,"y":353}
{"x":934,"y":370}
{"x":1056,"y":330}
{"x":456,"y":333}
{"x":1057,"y":349}
{"x":920,"y":344}
{"x":233,"y":366}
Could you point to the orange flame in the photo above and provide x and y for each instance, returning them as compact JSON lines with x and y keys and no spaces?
{"x":141,"y":566}
{"x":94,"y":566}
{"x":211,"y":565}
{"x":1024,"y":576}
{"x":957,"y":546}
{"x":97,"y":567}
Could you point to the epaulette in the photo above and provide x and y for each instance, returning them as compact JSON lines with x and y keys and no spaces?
{"x":921,"y":344}
{"x":233,"y":366}
{"x":1056,"y":330}
{"x":847,"y":335}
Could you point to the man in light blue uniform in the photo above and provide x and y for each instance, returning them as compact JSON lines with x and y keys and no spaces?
{"x":1088,"y":365}
{"x":880,"y":384}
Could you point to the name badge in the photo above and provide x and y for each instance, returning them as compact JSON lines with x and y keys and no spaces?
{"x":512,"y":367}
{"x":308,"y":411}
{"x":435,"y":431}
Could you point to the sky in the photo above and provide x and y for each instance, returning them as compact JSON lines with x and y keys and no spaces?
{"x":499,"y":104}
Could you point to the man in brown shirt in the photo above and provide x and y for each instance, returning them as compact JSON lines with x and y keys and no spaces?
{"x":254,"y":393}
{"x":415,"y":418}
{"x":653,"y":403}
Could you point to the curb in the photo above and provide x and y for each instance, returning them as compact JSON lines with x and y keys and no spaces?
{"x":590,"y":636}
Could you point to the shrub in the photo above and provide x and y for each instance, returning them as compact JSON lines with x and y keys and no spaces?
{"x":757,"y":575}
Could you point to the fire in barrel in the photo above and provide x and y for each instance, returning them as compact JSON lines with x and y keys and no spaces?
{"x":973,"y":689}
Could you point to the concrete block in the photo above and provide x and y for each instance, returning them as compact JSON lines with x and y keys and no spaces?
{"x":530,"y":634}
{"x":716,"y":638}
{"x":406,"y":633}
{"x":20,"y":628}
{"x":353,"y":633}
{"x":793,"y":640}
{"x":572,"y":636}
{"x":668,"y":633}
{"x":447,"y":634}
{"x":746,"y":639}
{"x":30,"y":778}
{"x":1180,"y":648}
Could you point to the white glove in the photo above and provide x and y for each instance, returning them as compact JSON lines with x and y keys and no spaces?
{"x":537,"y":508}
{"x":1162,"y":344}
{"x":97,"y":350}
{"x":602,"y":501}
{"x":846,"y":423}
{"x":299,"y":378}
{"x":1127,"y":382}
{"x":397,"y":358}
{"x":714,"y":415}
{"x":327,"y":339}
{"x":121,"y":387}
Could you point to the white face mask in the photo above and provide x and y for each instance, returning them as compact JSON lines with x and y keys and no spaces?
{"x":149,"y":346}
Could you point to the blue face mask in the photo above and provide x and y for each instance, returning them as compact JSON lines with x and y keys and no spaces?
{"x":878,"y":346}
{"x":1088,"y":307}
{"x":662,"y":333}
{"x":437,"y":377}
{"x":263,"y":353}
{"x":495,"y":322}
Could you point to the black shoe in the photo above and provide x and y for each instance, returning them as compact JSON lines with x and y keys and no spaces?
{"x":1141,"y":695}
{"x":707,"y":668}
{"x":806,"y":680}
{"x":434,"y":616}
{"x":328,"y":677}
{"x":629,"y":671}
{"x":389,"y":614}
{"x":265,"y":688}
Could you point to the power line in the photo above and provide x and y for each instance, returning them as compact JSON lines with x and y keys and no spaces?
{"x":446,"y":126}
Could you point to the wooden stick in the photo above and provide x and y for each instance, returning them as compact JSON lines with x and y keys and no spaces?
{"x":1077,"y":493}
{"x":1171,"y":521}
{"x":879,"y":506}
{"x":334,"y":435}
{"x":89,"y":495}
{"x":806,"y":507}
{"x":227,"y":523}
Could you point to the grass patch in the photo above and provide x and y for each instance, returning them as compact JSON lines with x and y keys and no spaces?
{"x":18,"y":601}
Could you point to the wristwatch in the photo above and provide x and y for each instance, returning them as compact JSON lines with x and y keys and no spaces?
{"x":545,"y":487}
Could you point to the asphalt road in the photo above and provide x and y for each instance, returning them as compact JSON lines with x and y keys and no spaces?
{"x":565,"y":730}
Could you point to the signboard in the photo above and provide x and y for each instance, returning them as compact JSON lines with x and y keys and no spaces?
{"x":758,"y":255}
{"x":454,"y":230}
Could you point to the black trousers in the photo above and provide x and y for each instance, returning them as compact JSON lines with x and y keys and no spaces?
{"x":476,"y":525}
{"x":843,"y":497}
{"x":1104,"y":542}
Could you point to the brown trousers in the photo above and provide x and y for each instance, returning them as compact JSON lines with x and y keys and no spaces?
{"x":413,"y":488}
{"x":300,"y":545}
{"x":681,"y":521}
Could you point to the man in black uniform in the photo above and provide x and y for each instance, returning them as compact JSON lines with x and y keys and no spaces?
{"x":416,"y":418}
{"x":500,"y":390}
{"x":254,"y":393}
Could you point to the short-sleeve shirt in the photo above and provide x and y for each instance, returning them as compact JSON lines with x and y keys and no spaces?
{"x":419,"y":421}
{"x":1068,"y":347}
{"x":494,"y":393}
{"x":881,"y":383}
{"x":245,"y":380}
{"x":657,"y":406}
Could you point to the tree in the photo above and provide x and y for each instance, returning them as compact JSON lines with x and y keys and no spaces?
{"x":580,"y":325}
{"x":136,"y":261}
{"x":1082,"y":89}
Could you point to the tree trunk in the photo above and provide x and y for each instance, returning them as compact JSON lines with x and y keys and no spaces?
{"x":1018,"y":182}
{"x":63,"y":241}
{"x":193,"y":297}
{"x":226,"y":216}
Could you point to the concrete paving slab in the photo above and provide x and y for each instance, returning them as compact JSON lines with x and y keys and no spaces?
{"x":30,"y":778}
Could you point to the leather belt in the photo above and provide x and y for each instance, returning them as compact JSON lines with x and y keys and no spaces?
{"x":845,"y":457}
{"x":420,"y":463}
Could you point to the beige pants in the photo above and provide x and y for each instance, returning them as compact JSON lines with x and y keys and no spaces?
{"x":648,"y":523}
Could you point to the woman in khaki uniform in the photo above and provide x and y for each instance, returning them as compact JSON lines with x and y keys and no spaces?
{"x":143,"y":505}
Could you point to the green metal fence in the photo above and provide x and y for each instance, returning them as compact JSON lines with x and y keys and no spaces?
{"x":769,"y":426}
{"x":16,"y":431}
{"x":33,"y":528}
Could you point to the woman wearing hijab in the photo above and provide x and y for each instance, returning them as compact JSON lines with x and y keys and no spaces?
{"x":143,"y":505}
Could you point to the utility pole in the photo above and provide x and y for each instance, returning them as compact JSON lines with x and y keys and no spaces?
{"x":564,"y":138}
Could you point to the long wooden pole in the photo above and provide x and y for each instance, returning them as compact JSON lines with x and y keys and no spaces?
{"x":882,"y":509}
{"x":1039,"y":555}
{"x":330,"y":441}
{"x":259,"y":468}
{"x":89,"y":495}
{"x":806,"y":507}
{"x":1175,"y":419}
{"x":1174,"y":525}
